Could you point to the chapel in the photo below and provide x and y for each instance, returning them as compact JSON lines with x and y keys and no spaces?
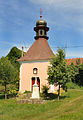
{"x":34,"y":64}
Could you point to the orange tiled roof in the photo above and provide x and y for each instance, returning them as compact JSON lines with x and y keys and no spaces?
{"x":40,"y":50}
{"x":74,"y":60}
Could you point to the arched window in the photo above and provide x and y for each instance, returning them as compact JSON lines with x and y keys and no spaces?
{"x":37,"y":33}
{"x":44,"y":32}
{"x":40,"y":32}
{"x":35,"y":70}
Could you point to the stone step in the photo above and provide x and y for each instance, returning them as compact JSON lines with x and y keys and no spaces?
{"x":30,"y":101}
{"x":24,"y":96}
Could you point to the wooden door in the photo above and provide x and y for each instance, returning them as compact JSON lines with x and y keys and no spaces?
{"x":38,"y":82}
{"x":33,"y":82}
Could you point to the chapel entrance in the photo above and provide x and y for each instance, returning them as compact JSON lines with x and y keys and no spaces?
{"x":33,"y":82}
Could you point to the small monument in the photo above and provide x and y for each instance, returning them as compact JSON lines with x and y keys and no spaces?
{"x":35,"y":93}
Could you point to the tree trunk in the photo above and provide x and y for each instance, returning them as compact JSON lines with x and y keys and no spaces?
{"x":59,"y":92}
{"x":5,"y":92}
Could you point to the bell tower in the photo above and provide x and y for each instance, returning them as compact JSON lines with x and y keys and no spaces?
{"x":41,"y":28}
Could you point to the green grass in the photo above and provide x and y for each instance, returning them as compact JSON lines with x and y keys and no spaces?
{"x":69,"y":107}
{"x":71,"y":85}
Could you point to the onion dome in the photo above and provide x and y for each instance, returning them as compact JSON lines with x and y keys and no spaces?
{"x":41,"y":23}
{"x":41,"y":28}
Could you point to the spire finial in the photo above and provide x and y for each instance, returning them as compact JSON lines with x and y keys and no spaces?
{"x":40,"y":13}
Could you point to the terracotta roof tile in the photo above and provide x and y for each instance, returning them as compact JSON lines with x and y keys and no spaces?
{"x":40,"y":50}
{"x":74,"y":60}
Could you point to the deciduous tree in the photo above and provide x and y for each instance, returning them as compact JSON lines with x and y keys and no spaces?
{"x":58,"y":71}
{"x":79,"y":76}
{"x":8,"y":74}
{"x":13,"y":55}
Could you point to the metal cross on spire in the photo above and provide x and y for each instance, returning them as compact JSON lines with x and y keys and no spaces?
{"x":40,"y":13}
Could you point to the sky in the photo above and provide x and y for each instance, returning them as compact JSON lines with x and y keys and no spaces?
{"x":64,"y":18}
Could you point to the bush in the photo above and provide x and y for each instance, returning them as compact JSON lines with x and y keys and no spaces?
{"x":26,"y":92}
{"x":45,"y":91}
{"x":71,"y":85}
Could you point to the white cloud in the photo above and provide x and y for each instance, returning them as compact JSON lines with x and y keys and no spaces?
{"x":63,"y":13}
{"x":60,"y":3}
{"x":14,"y":12}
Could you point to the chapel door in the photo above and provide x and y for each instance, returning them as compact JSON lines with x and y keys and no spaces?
{"x":38,"y":82}
{"x":33,"y":82}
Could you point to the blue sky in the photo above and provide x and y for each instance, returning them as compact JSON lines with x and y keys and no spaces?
{"x":64,"y":17}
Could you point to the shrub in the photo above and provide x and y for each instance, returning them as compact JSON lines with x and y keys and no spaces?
{"x":71,"y":85}
{"x":45,"y":90}
{"x":26,"y":92}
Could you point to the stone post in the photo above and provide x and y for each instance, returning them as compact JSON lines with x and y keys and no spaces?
{"x":35,"y":93}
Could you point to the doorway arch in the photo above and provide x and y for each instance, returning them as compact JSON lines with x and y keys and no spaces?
{"x":33,"y":82}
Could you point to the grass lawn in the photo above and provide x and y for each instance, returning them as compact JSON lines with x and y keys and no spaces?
{"x":68,"y":108}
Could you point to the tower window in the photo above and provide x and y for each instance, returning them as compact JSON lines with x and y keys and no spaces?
{"x":37,"y":33}
{"x":44,"y":32}
{"x":40,"y":32}
{"x":35,"y":70}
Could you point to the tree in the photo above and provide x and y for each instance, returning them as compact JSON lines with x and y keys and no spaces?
{"x":13,"y":55}
{"x":79,"y":76}
{"x":73,"y":72}
{"x":76,"y":73}
{"x":58,"y":71}
{"x":8,"y":74}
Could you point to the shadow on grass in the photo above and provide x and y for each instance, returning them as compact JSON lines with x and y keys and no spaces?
{"x":2,"y":96}
{"x":51,"y":96}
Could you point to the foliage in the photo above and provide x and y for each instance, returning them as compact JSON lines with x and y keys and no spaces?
{"x":12,"y":89}
{"x":13,"y":55}
{"x":45,"y":90}
{"x":78,"y":62}
{"x":26,"y":92}
{"x":73,"y":71}
{"x":71,"y":85}
{"x":58,"y":71}
{"x":8,"y":74}
{"x":76,"y":73}
{"x":79,"y":76}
